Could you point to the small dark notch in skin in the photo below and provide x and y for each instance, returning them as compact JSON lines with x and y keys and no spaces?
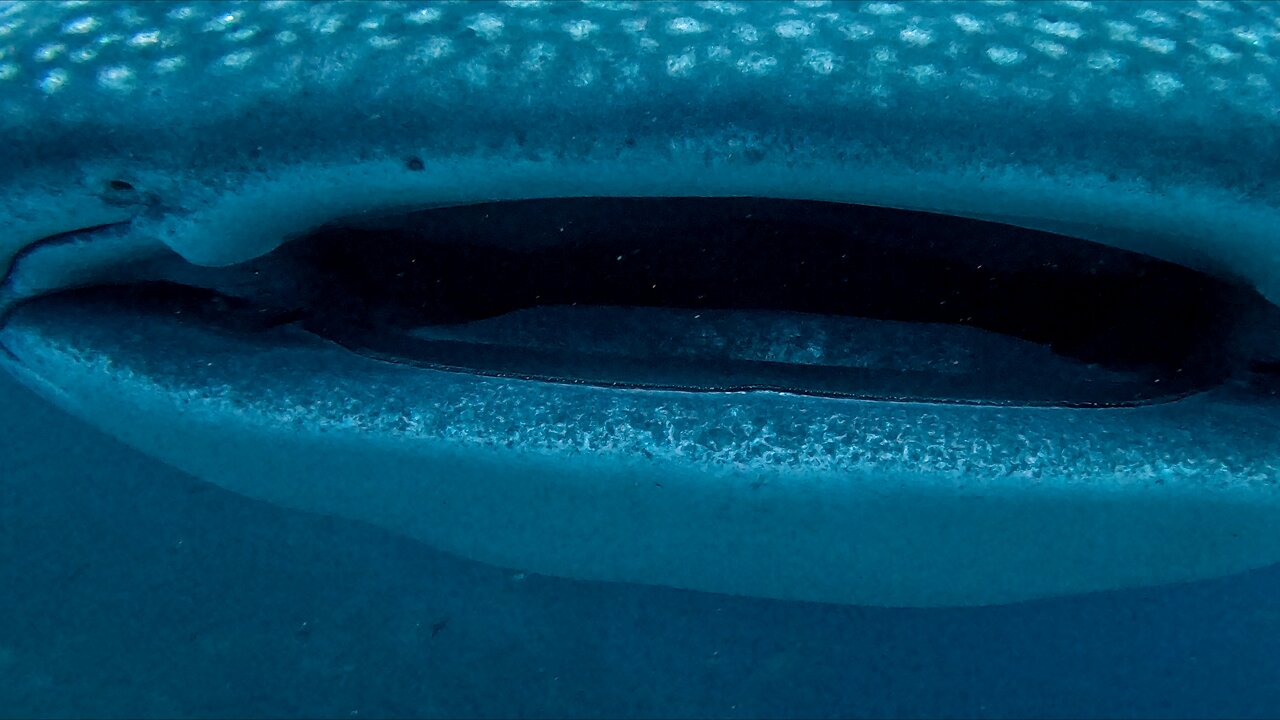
{"x":120,"y":193}
{"x":415,"y":164}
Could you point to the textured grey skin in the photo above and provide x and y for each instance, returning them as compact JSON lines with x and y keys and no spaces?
{"x":1151,"y":126}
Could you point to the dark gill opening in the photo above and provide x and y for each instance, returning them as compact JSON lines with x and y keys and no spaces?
{"x":727,"y":294}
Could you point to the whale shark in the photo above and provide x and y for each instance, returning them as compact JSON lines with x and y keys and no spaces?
{"x":884,"y":303}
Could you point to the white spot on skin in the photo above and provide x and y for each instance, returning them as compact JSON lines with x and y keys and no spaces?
{"x":1005,"y":56}
{"x":1062,"y":29}
{"x":1162,"y":46}
{"x":8,"y":71}
{"x":1155,"y":17}
{"x":434,"y":49}
{"x":116,"y":77}
{"x":793,"y":29}
{"x":1248,"y":36}
{"x":724,"y":8}
{"x":719,"y":53}
{"x":970,"y":24}
{"x":1012,"y":19}
{"x":882,"y":8}
{"x":917,"y":36}
{"x":423,"y":16}
{"x":237,"y":59}
{"x":747,"y":34}
{"x":635,"y":25}
{"x":383,"y":42}
{"x":84,"y":54}
{"x":80,"y":26}
{"x":1220,"y":54}
{"x":883,"y":55}
{"x":170,"y":64}
{"x":980,"y":83}
{"x":147,"y":38}
{"x":1163,"y":83}
{"x":585,"y":75}
{"x":286,"y":36}
{"x":244,"y":34}
{"x":812,"y":4}
{"x":1104,"y":61}
{"x":48,"y":53}
{"x":486,"y":26}
{"x":685,"y":26}
{"x":757,"y":64}
{"x":329,"y":26}
{"x":882,"y":93}
{"x":1052,"y":49}
{"x":223,"y":22}
{"x":186,"y":12}
{"x":856,"y":31}
{"x":523,"y":4}
{"x":54,"y":81}
{"x":822,"y":62}
{"x":612,"y":5}
{"x":681,"y":65}
{"x":1121,"y":31}
{"x":923,"y":74}
{"x":580,"y":29}
{"x":538,"y":57}
{"x":130,"y":17}
{"x":628,"y":76}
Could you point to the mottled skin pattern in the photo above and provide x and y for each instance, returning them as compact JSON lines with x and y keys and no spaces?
{"x":222,"y":129}
{"x":1167,"y":100}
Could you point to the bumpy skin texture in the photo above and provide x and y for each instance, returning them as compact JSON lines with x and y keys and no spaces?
{"x":190,"y":101}
{"x":1150,"y":89}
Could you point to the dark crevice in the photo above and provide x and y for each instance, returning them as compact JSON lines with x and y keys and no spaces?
{"x":741,"y":294}
{"x":86,"y":234}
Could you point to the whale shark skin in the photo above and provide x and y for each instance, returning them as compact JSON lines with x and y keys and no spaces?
{"x":219,"y":131}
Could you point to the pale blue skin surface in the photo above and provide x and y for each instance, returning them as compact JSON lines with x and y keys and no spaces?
{"x":1148,"y":126}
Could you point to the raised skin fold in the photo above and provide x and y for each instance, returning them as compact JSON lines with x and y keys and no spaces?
{"x":221,"y":130}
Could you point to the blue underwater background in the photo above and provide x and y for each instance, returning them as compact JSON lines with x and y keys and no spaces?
{"x":131,"y":590}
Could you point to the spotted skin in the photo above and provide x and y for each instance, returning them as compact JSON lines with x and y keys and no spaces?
{"x":1166,"y":99}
